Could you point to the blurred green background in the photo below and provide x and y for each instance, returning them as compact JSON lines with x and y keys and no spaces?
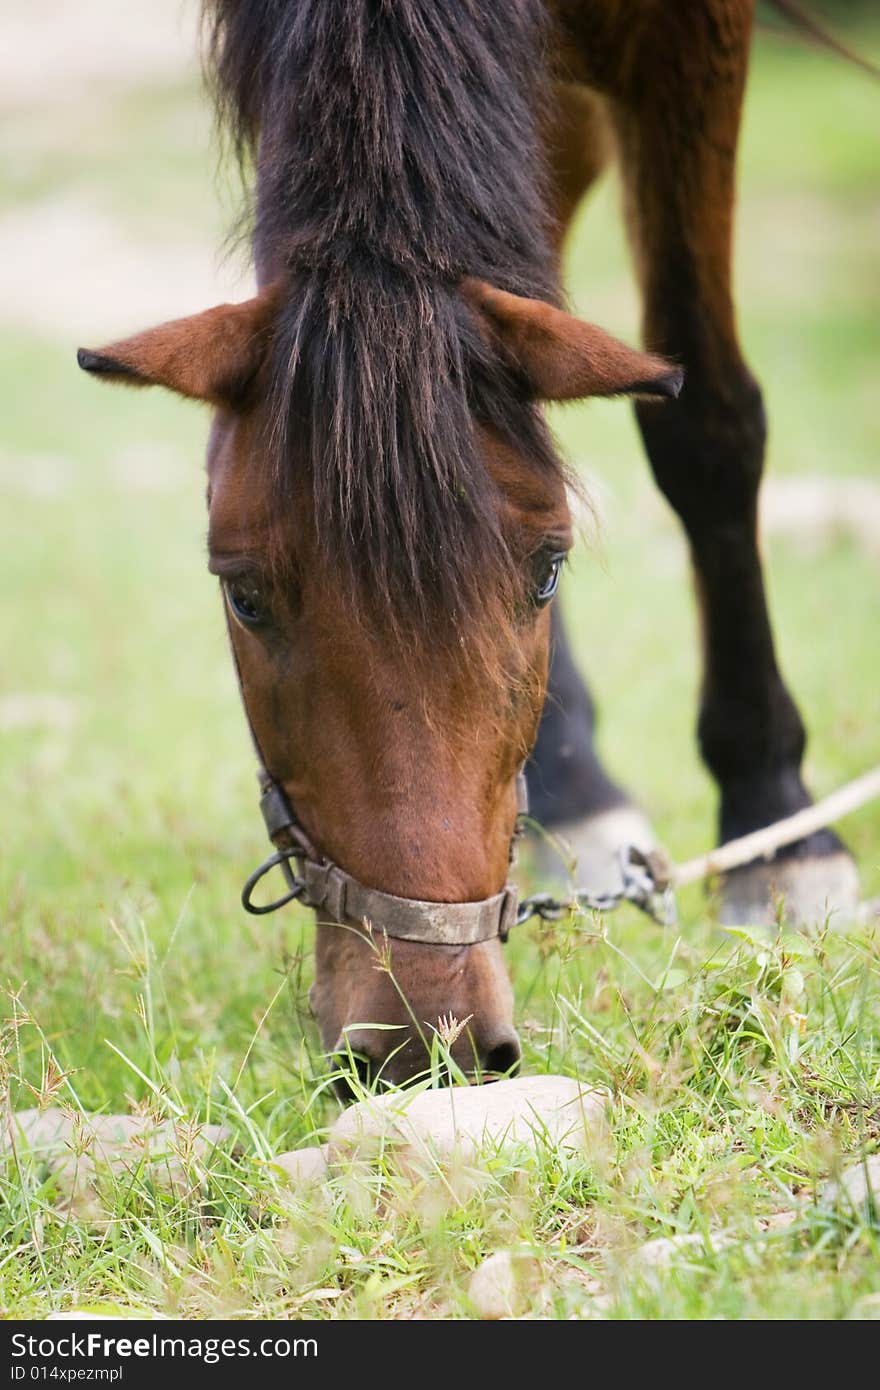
{"x":128,"y":811}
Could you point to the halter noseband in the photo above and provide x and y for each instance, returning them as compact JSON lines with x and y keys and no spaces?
{"x":317,"y":882}
{"x":323,"y":886}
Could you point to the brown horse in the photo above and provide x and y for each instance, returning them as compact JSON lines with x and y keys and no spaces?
{"x":388,"y":516}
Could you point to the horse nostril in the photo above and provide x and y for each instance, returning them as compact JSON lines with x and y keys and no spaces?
{"x":503,"y":1055}
{"x":358,"y":1063}
{"x":355,"y":1073}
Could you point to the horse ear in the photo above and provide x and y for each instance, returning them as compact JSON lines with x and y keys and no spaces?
{"x":213,"y":356}
{"x":563,"y":358}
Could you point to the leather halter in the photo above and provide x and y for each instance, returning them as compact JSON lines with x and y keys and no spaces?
{"x":324,"y":886}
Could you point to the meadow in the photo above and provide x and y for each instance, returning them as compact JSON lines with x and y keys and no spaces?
{"x":743,"y":1067}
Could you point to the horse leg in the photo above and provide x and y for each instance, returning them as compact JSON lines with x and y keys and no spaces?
{"x":570,"y":793}
{"x":676,"y":107}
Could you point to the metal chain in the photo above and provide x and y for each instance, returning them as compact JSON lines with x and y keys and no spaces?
{"x":644,"y":883}
{"x":647,"y":880}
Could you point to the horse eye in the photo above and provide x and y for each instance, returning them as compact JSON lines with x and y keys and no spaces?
{"x":247,"y":601}
{"x":547,"y":573}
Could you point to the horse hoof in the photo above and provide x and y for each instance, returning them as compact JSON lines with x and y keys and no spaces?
{"x":806,"y":891}
{"x":585,"y":852}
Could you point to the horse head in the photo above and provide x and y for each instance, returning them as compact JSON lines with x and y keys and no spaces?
{"x":390,"y":632}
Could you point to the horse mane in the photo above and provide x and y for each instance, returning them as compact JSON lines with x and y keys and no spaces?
{"x":397,"y":150}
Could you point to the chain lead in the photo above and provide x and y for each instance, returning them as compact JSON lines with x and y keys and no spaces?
{"x":643,"y":883}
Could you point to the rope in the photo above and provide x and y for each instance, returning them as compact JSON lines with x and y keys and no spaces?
{"x":763,"y":844}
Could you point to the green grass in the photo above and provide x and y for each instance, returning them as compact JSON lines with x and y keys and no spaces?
{"x":128,"y":825}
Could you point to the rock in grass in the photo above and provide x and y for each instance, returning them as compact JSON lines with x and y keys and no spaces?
{"x":661,"y":1252}
{"x":463,"y":1121}
{"x":303,"y":1167}
{"x":52,"y":1131}
{"x":75,"y":1148}
{"x":858,"y":1188}
{"x":499,"y":1287}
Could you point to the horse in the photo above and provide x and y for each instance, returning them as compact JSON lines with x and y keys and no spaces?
{"x":388,"y":513}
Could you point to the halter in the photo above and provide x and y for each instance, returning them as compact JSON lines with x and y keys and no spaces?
{"x":319,"y":883}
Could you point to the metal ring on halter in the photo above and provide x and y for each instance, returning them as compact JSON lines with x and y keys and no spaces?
{"x":297,"y":885}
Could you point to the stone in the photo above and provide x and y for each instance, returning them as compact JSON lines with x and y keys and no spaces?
{"x":74,"y":1148}
{"x":498,"y":1288}
{"x":463,"y":1121}
{"x":778,"y":1220}
{"x":661,"y":1252}
{"x":303,"y":1167}
{"x":858,"y":1187}
{"x":50,"y":1131}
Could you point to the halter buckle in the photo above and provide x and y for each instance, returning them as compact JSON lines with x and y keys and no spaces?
{"x":296,"y":885}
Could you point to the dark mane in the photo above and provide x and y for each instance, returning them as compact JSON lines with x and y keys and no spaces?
{"x":397,"y":151}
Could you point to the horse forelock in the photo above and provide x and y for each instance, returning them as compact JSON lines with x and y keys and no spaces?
{"x":396,"y":146}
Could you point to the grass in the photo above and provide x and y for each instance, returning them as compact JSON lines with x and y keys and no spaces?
{"x":743,"y":1072}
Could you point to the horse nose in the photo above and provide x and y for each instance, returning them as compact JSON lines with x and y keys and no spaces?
{"x":501,"y":1053}
{"x":362,"y":1059}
